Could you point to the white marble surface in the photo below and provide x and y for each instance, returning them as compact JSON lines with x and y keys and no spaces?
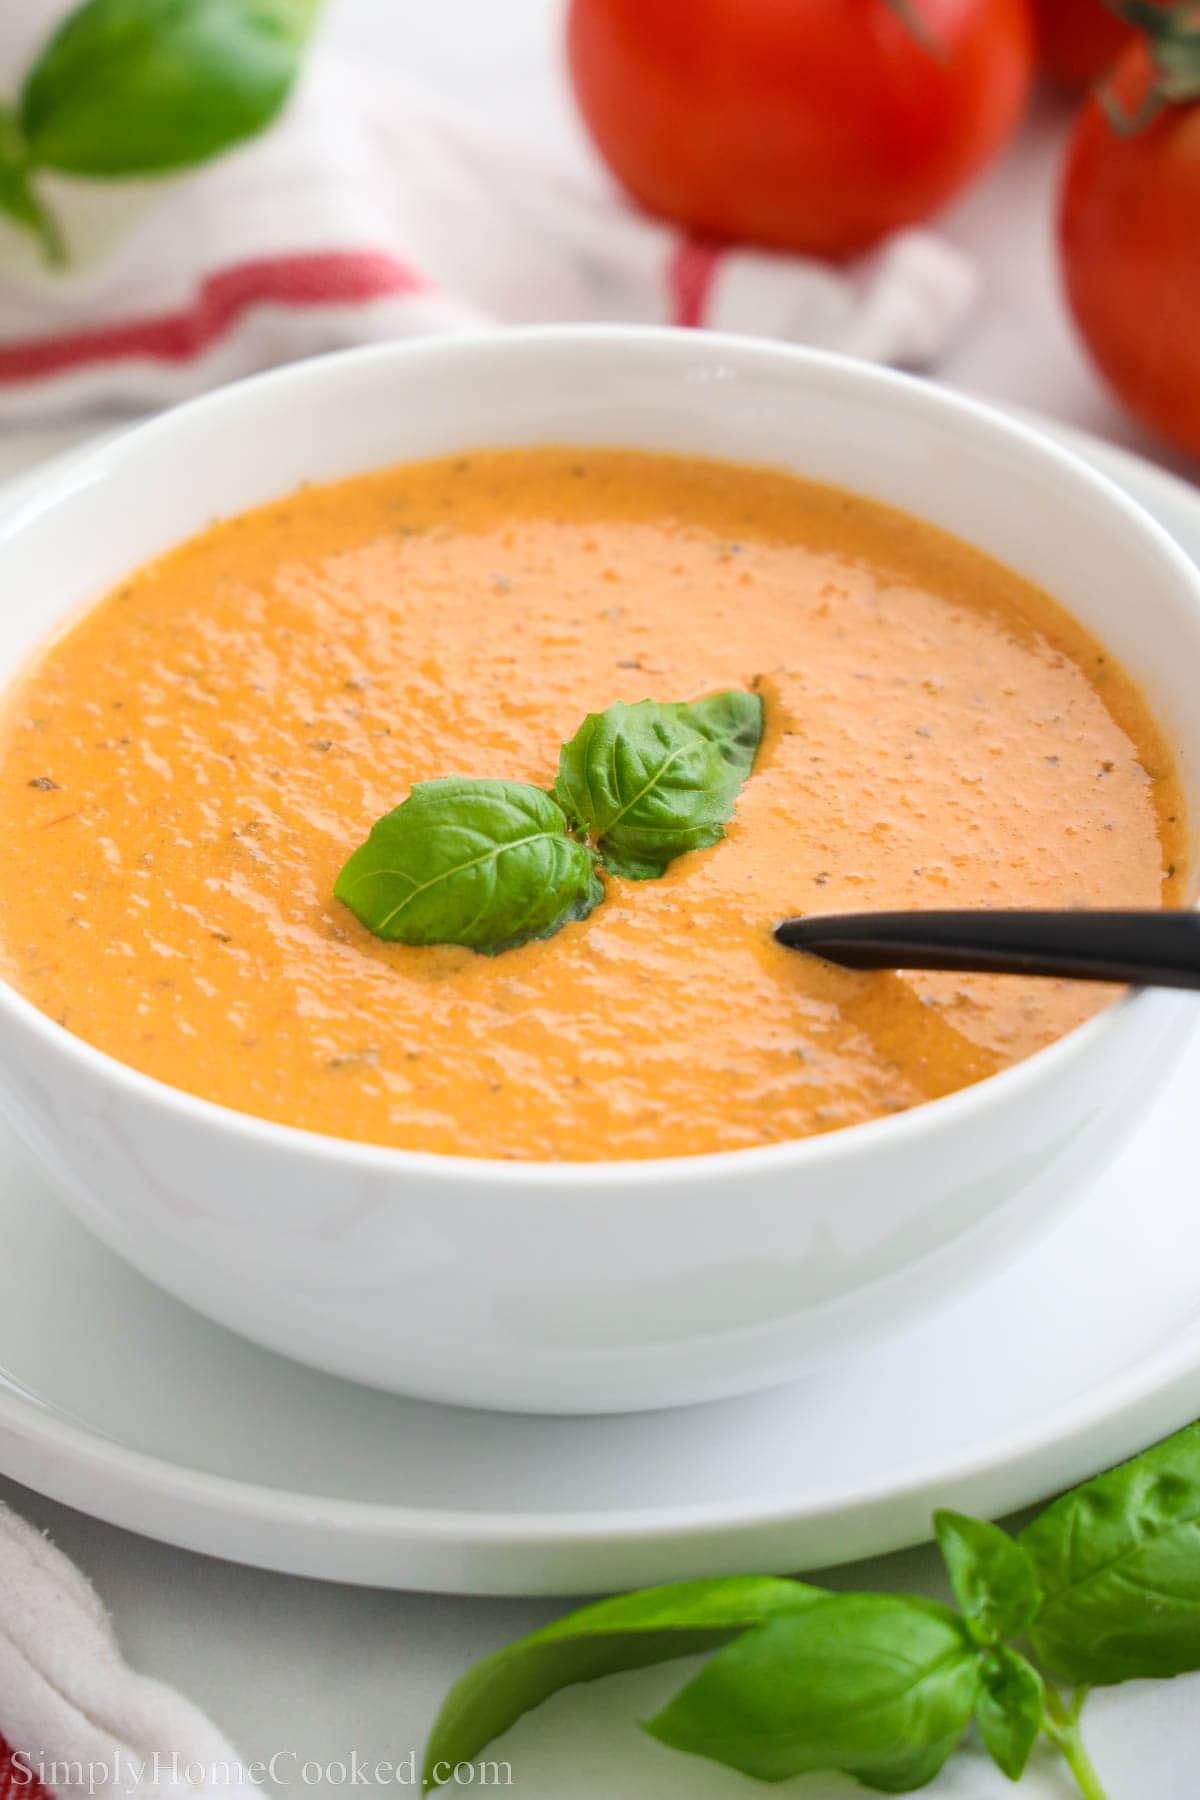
{"x":314,"y":1671}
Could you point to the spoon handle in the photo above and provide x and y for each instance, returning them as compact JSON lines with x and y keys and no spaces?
{"x":1148,"y":949}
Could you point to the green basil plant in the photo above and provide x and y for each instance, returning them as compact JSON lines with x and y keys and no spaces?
{"x":145,"y":87}
{"x":1103,"y":1587}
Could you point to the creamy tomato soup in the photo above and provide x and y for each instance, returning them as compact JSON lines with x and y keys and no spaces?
{"x":184,"y":772}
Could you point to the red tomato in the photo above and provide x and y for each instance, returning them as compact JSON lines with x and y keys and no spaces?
{"x":1130,"y":238}
{"x":808,"y":125}
{"x":1079,"y":39}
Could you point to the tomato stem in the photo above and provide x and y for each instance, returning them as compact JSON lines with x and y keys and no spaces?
{"x":1172,"y":35}
{"x":910,"y":17}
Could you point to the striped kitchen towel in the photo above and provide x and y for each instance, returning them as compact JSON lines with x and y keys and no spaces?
{"x":76,"y":1723}
{"x":367,"y":213}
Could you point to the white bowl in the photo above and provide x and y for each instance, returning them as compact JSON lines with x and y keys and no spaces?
{"x":592,"y":1287}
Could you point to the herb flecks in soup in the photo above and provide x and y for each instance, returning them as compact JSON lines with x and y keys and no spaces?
{"x":186,"y":771}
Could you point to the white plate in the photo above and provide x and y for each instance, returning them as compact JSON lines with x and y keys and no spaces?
{"x":119,"y":1401}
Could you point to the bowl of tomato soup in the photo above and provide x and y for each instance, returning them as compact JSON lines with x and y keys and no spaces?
{"x":637,"y":1154}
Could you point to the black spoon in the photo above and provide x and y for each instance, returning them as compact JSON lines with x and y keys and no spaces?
{"x":1148,"y":949}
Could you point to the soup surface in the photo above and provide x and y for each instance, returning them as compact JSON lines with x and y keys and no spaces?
{"x":185,"y":770}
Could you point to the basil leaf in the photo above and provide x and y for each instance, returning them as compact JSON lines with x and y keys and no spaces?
{"x":874,"y":1685}
{"x":630,"y":1632}
{"x":649,"y":782}
{"x":19,"y":202}
{"x":734,"y":721}
{"x":488,"y":864}
{"x":1009,"y":1710}
{"x":16,"y":196}
{"x":138,"y":87}
{"x":993,"y":1577}
{"x":1118,"y":1560}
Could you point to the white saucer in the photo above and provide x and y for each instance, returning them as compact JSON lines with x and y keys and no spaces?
{"x":119,"y":1401}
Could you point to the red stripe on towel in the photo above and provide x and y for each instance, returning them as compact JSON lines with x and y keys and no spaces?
{"x":17,"y":1780}
{"x":691,"y":272}
{"x":326,"y":278}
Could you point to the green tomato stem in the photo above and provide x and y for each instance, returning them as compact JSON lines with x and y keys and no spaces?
{"x":1061,"y":1726}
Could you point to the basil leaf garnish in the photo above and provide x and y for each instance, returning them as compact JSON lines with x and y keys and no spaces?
{"x":1009,"y":1710}
{"x":18,"y":200}
{"x":491,"y":864}
{"x":993,"y":1577}
{"x":651,"y":781}
{"x":630,"y":1632}
{"x":733,"y":719}
{"x":488,"y":864}
{"x":874,"y":1685}
{"x":138,"y":87}
{"x":1118,"y":1560}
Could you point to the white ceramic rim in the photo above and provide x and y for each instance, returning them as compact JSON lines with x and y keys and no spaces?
{"x":126,"y":1486}
{"x":907,"y":392}
{"x":105,"y":1472}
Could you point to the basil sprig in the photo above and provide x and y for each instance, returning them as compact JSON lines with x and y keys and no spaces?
{"x":488,"y":864}
{"x":1102,"y":1587}
{"x":493,"y":864}
{"x":144,"y":87}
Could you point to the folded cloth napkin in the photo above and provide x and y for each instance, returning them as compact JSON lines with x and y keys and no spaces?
{"x":365,"y":214}
{"x":75,"y":1721}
